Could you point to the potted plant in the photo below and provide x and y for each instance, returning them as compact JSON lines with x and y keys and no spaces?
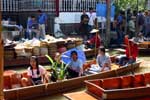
{"x":59,"y":70}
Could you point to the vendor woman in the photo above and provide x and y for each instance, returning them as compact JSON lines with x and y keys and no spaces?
{"x":75,"y":68}
{"x":95,"y":40}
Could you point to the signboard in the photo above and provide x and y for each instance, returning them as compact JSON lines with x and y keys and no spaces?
{"x":101,"y":10}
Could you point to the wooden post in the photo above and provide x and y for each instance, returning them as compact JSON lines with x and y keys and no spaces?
{"x":57,"y":8}
{"x":1,"y":57}
{"x":107,"y":36}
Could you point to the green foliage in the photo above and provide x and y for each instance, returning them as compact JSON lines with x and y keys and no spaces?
{"x":58,"y":72}
{"x":132,"y":4}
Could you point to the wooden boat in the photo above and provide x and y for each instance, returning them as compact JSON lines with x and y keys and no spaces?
{"x":124,"y":87}
{"x":144,"y":46}
{"x":29,"y":92}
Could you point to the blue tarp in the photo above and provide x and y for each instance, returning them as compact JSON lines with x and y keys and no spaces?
{"x":101,"y":10}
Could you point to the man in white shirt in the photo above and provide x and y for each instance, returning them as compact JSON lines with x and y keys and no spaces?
{"x":92,"y":17}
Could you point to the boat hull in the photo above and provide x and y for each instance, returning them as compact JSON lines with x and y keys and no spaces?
{"x":132,"y":87}
{"x":61,"y":86}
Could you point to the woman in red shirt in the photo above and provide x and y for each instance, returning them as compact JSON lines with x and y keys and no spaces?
{"x":95,"y":39}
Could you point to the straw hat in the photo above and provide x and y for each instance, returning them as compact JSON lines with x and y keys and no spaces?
{"x":94,"y":31}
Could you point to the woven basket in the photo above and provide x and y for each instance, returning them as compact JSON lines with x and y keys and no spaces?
{"x":78,"y":42}
{"x":9,"y":54}
{"x":43,"y":44}
{"x":29,"y":49}
{"x":20,"y":51}
{"x":36,"y":51}
{"x":71,"y":44}
{"x":60,"y":43}
{"x":52,"y":45}
{"x":43,"y":51}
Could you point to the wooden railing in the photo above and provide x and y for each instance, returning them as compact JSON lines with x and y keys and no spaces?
{"x":77,"y":5}
{"x":28,"y":5}
{"x":34,"y":5}
{"x":48,"y":5}
{"x":9,"y":5}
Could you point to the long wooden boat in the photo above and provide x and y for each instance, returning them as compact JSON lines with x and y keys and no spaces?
{"x":144,"y":46}
{"x":127,"y":87}
{"x":29,"y":92}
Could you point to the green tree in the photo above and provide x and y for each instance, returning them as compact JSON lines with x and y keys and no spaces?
{"x":132,"y":4}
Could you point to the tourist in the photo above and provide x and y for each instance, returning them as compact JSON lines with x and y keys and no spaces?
{"x":103,"y":60}
{"x":84,"y":16}
{"x":119,"y":29}
{"x":147,"y":24}
{"x":84,"y":27}
{"x":36,"y":73}
{"x":75,"y":67}
{"x":103,"y":63}
{"x":131,"y":26}
{"x":92,"y":17}
{"x":32,"y":28}
{"x":139,"y":38}
{"x":42,"y":20}
{"x":140,"y":21}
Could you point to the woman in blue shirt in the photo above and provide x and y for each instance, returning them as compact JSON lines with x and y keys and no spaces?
{"x":75,"y":68}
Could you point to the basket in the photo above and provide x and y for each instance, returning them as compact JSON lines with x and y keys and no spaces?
{"x":60,"y":43}
{"x":20,"y":51}
{"x":43,"y":51}
{"x":78,"y":42}
{"x":43,"y":44}
{"x":9,"y":54}
{"x":71,"y":44}
{"x":52,"y":45}
{"x":28,"y":49}
{"x":36,"y":51}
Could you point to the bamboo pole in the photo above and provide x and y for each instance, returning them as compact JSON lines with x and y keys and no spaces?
{"x":1,"y":58}
{"x":96,"y":26}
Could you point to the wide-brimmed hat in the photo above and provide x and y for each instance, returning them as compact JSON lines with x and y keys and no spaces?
{"x":94,"y":31}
